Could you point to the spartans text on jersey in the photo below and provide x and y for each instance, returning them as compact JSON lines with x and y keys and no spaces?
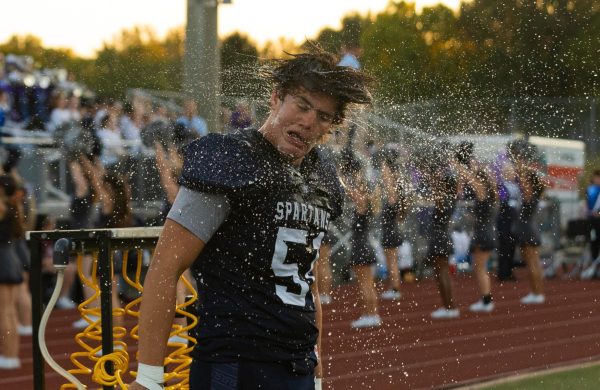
{"x":303,"y":212}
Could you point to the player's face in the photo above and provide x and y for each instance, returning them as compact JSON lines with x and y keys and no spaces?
{"x":298,"y":122}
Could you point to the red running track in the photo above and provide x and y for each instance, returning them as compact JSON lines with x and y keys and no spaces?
{"x":410,"y":351}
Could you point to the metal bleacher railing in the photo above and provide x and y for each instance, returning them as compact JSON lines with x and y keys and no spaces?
{"x":43,"y":166}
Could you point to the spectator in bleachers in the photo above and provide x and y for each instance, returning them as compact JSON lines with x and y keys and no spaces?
{"x":131,"y":122}
{"x":73,"y":106}
{"x":100,"y":109}
{"x":59,"y":111}
{"x":110,"y":138}
{"x":4,"y":106}
{"x":240,"y":117}
{"x":159,"y":114}
{"x":190,"y":118}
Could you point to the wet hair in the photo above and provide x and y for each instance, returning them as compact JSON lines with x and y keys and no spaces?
{"x":522,"y":150}
{"x":319,"y":72}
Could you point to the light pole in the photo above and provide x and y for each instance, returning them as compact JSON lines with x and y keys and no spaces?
{"x":201,"y":62}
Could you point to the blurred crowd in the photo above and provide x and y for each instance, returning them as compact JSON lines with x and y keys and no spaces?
{"x":54,"y":103}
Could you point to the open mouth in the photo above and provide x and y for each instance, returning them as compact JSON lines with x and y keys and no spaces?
{"x":296,"y":140}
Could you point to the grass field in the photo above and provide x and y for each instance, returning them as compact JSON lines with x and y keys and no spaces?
{"x":579,"y":379}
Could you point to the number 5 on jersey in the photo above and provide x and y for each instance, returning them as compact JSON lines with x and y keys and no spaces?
{"x":294,"y":250}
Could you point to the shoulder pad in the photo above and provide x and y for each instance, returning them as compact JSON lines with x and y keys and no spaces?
{"x":218,"y":164}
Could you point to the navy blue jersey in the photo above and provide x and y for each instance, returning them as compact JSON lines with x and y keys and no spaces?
{"x":254,"y":274}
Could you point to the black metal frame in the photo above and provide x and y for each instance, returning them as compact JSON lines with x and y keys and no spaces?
{"x":104,"y":241}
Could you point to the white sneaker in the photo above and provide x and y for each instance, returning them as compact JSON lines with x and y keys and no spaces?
{"x":325,"y":299}
{"x":9,"y":363}
{"x":367,"y":322}
{"x":82,"y":323}
{"x":480,"y":307}
{"x":65,"y":303}
{"x":533,"y":299}
{"x":443,"y":313}
{"x":391,"y":295}
{"x":24,"y":330}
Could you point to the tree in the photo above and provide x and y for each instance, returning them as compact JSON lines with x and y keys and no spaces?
{"x":32,"y":46}
{"x":138,"y":59}
{"x":527,"y":48}
{"x":396,"y":53}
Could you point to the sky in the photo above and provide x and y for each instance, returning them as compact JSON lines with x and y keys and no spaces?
{"x":83,"y":25}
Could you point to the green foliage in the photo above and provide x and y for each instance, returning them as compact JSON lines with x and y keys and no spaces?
{"x":531,"y":48}
{"x":137,"y":59}
{"x":489,"y":49}
{"x":398,"y":59}
{"x":577,"y":378}
{"x":30,"y":45}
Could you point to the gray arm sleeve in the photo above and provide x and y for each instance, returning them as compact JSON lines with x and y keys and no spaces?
{"x":199,"y":212}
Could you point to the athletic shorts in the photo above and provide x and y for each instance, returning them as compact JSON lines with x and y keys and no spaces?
{"x":11,"y":269}
{"x":249,"y":375}
{"x":484,"y":240}
{"x":440,"y":244}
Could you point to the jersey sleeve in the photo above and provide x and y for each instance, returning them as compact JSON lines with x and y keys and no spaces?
{"x":200,"y":213}
{"x":218,"y":164}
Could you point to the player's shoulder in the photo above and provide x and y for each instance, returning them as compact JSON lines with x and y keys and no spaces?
{"x":212,"y":146}
{"x":219,"y":163}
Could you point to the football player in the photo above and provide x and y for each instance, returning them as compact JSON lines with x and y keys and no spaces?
{"x":248,"y":220}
